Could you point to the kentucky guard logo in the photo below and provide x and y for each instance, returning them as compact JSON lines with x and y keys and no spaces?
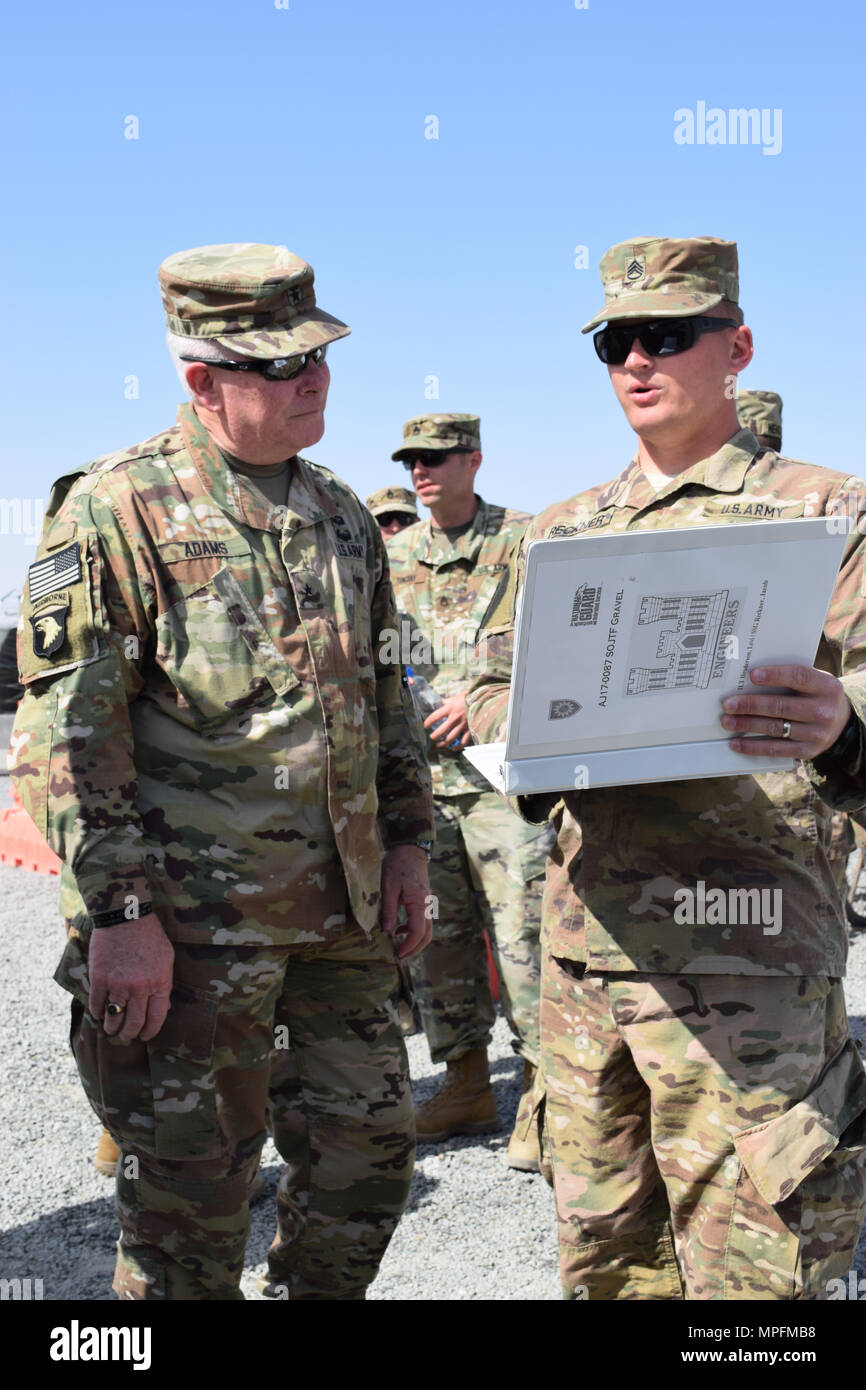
{"x":635,"y":271}
{"x":584,"y":609}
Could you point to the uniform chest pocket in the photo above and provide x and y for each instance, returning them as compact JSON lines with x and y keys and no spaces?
{"x":217,"y":653}
{"x":469,"y":597}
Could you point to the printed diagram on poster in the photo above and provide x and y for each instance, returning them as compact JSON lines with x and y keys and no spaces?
{"x":683,"y":640}
{"x":626,"y":644}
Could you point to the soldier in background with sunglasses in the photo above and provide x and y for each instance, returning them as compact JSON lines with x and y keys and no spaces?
{"x":488,"y":867}
{"x":706,"y":1105}
{"x":394,"y":509}
{"x":237,"y":785}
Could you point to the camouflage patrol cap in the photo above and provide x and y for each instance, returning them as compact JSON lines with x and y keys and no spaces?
{"x":761,"y":412}
{"x":392,"y":499}
{"x":660,"y":277}
{"x":257,"y":300}
{"x":445,"y":432}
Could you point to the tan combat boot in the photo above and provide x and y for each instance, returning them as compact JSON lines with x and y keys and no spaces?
{"x":464,"y":1103}
{"x":523,"y":1149}
{"x":107,"y":1154}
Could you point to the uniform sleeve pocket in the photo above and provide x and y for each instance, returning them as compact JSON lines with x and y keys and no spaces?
{"x":58,"y":628}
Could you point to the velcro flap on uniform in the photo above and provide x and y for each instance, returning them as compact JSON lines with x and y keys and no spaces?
{"x":62,"y":532}
{"x":746,"y":508}
{"x":279,"y":673}
{"x":778,"y":1155}
{"x":201,"y":547}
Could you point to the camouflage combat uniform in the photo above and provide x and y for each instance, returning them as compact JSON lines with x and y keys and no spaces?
{"x":487,"y":867}
{"x":747,"y":1157}
{"x":761,"y":412}
{"x":706,"y":1105}
{"x":208,"y":728}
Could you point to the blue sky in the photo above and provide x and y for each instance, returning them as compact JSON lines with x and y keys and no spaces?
{"x":451,"y":257}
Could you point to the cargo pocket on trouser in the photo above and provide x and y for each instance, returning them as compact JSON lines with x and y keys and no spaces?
{"x":159,"y":1096}
{"x":801,"y":1190}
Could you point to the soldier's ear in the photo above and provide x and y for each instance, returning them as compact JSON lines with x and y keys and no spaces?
{"x":475,"y":460}
{"x":202,"y":384}
{"x":742,"y":348}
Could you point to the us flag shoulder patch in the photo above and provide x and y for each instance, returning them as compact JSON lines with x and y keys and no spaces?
{"x":57,"y":570}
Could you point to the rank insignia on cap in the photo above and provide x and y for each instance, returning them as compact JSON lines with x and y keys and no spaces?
{"x":635,"y":271}
{"x":63,"y":567}
{"x":49,"y":625}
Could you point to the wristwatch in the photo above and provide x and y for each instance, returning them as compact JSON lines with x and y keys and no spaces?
{"x":426,"y":845}
{"x":115,"y":917}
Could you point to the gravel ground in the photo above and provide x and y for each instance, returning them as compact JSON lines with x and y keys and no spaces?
{"x":474,"y":1229}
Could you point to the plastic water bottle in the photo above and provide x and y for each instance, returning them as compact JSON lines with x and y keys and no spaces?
{"x":426,"y":699}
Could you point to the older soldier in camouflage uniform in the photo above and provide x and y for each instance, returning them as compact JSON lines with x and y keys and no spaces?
{"x":394,"y":509}
{"x":488,"y":867}
{"x":213,"y":746}
{"x":706,"y":1105}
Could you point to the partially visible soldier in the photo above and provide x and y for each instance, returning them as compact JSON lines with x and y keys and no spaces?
{"x":706,"y":1102}
{"x":761,"y":412}
{"x":488,"y":867}
{"x":394,"y":509}
{"x":237,"y":785}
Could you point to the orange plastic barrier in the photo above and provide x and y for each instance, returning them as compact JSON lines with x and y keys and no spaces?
{"x":21,"y":844}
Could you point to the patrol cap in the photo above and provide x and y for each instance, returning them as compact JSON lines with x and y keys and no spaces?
{"x":392,"y":499}
{"x":256,"y":300}
{"x":761,"y":412}
{"x":445,"y":432}
{"x":662,"y":277}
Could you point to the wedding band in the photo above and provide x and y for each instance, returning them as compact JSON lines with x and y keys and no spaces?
{"x":786,"y":728}
{"x":114,"y":1009}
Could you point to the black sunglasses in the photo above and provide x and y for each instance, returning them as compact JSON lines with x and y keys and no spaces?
{"x":271,"y":368}
{"x":431,"y":458}
{"x":658,"y":337}
{"x":386,"y":518}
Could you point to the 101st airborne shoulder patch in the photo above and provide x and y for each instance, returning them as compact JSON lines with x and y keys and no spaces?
{"x":48,"y":621}
{"x":58,"y":611}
